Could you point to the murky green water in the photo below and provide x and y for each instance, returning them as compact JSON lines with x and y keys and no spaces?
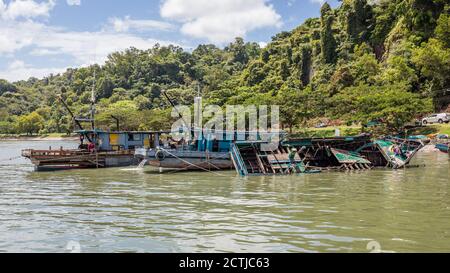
{"x":128,"y":210}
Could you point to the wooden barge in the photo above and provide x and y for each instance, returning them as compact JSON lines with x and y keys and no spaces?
{"x":102,"y":150}
{"x":47,"y":160}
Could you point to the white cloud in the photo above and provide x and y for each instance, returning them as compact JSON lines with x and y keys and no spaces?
{"x":18,"y":31}
{"x":220,"y":21}
{"x":126,"y":24}
{"x":25,"y":9}
{"x":85,"y":47}
{"x":73,"y":2}
{"x":18,"y":70}
{"x":262,"y":44}
{"x":318,"y":1}
{"x":42,"y":52}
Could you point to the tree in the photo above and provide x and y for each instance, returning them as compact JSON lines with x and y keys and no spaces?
{"x":156,"y":120}
{"x":442,"y":31}
{"x":328,"y":43}
{"x":31,"y":123}
{"x":237,"y":49}
{"x":433,"y":60}
{"x":359,"y":20}
{"x":126,"y":111}
{"x":325,"y":68}
{"x":296,"y":105}
{"x":392,"y":104}
{"x":7,"y":87}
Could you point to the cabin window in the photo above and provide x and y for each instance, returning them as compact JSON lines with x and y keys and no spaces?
{"x":134,"y":137}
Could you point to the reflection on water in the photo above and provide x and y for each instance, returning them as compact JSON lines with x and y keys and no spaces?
{"x":131,"y":210}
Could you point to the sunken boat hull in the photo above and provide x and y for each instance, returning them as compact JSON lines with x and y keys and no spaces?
{"x":185,"y":160}
{"x":316,"y":154}
{"x":332,"y":153}
{"x":443,"y":147}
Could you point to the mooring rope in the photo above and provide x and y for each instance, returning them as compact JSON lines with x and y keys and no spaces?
{"x":189,"y":163}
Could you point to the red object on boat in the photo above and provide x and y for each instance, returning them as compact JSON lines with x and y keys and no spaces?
{"x":91,"y":147}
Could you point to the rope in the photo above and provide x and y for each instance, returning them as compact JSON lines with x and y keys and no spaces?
{"x":191,"y":164}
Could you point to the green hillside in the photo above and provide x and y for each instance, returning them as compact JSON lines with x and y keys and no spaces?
{"x":366,"y":60}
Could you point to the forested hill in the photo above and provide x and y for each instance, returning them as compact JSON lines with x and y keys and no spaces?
{"x":365,"y":60}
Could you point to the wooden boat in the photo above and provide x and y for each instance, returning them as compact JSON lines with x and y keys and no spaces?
{"x":105,"y":149}
{"x":97,"y":148}
{"x":443,"y":147}
{"x":391,"y":152}
{"x":317,"y":154}
{"x":50,"y":160}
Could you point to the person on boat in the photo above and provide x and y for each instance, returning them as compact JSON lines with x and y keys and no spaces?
{"x":172,"y":144}
{"x":291,"y":156}
{"x":82,"y":146}
{"x":91,"y":147}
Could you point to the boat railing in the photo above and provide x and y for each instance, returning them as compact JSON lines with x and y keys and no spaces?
{"x":65,"y":153}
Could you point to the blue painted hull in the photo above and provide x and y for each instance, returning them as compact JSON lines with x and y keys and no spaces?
{"x":442,"y":147}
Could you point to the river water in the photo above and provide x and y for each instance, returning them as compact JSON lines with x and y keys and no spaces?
{"x":132,"y":210}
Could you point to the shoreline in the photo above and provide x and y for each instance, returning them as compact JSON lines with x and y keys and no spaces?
{"x":38,"y":138}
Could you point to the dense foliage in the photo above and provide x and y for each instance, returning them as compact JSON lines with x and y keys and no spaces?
{"x":366,"y":60}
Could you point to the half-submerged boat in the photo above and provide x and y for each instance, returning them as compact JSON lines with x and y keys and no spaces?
{"x":306,"y":155}
{"x":443,"y":147}
{"x":209,"y":151}
{"x":391,"y":151}
{"x":290,"y":156}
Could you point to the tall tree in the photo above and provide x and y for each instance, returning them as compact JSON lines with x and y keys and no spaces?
{"x":327,"y":40}
{"x":359,"y":20}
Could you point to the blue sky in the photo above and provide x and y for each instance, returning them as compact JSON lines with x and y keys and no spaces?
{"x":38,"y":37}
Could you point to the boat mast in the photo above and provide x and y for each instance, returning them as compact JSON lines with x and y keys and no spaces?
{"x":179,"y":114}
{"x":93,"y":102}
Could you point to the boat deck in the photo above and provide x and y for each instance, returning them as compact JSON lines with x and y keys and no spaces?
{"x":66,"y":159}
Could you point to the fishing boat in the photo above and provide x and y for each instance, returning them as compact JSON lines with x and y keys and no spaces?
{"x":195,"y":148}
{"x":97,"y":149}
{"x":209,"y":151}
{"x":443,"y":147}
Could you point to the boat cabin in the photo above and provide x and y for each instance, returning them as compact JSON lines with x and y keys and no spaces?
{"x":119,"y":140}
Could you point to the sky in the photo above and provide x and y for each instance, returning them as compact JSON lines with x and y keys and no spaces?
{"x":39,"y":37}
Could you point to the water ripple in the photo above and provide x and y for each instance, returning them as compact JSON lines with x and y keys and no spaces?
{"x":119,"y":210}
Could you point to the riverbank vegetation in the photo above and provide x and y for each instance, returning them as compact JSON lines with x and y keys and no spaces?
{"x":366,"y":60}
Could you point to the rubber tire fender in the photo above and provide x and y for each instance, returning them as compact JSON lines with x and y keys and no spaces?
{"x":160,"y":155}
